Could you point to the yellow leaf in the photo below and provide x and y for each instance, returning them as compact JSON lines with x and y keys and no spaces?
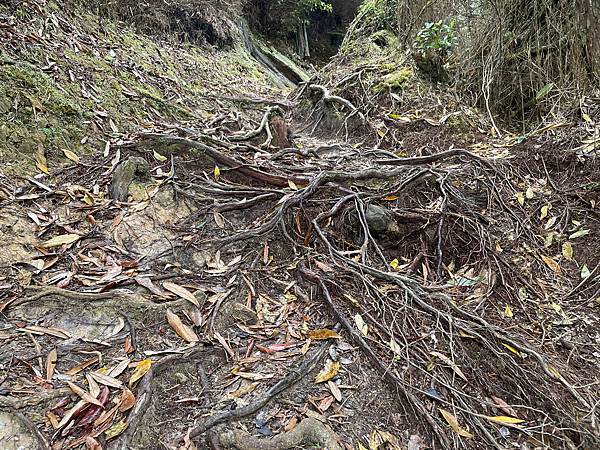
{"x":552,"y":264}
{"x":40,"y":159}
{"x":512,"y":349}
{"x":504,"y":420}
{"x":116,"y":429}
{"x":394,"y":264}
{"x":391,"y":198}
{"x":158,"y":156}
{"x":453,"y":422}
{"x":318,"y":335}
{"x":71,"y":155}
{"x":544,"y":212}
{"x":217,"y":173}
{"x":567,"y":250}
{"x":60,"y":240}
{"x":529,"y":193}
{"x":498,"y":247}
{"x":292,"y":185}
{"x":140,"y":370}
{"x":520,"y":198}
{"x":330,"y":370}
{"x":508,"y":311}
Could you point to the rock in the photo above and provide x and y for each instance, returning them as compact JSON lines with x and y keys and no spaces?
{"x":15,"y":435}
{"x":380,"y":220}
{"x":125,"y":173}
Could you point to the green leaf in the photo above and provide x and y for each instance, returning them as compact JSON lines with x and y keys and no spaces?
{"x":543,"y":92}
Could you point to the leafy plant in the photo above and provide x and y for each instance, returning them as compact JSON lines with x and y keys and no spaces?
{"x":305,"y":8}
{"x":437,"y":37}
{"x":380,"y":14}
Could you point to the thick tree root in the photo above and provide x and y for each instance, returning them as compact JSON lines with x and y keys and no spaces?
{"x":310,"y":431}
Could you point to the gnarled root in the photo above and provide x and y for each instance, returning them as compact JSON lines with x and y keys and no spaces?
{"x":309,"y":431}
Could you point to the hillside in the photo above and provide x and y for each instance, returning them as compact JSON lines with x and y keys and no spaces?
{"x":269,"y":225}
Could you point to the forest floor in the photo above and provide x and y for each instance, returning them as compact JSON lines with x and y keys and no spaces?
{"x":179,"y":272}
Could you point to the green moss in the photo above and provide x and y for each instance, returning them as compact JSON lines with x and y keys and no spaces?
{"x":395,"y":80}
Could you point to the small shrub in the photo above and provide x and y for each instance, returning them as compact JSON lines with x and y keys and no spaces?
{"x":432,"y":46}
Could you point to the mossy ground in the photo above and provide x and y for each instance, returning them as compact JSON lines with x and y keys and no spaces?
{"x":83,"y":80}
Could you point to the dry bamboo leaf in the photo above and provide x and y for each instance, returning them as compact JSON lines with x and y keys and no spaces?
{"x":335,"y":390}
{"x":94,"y":388}
{"x":317,"y":335}
{"x":183,"y":331}
{"x":51,"y":363}
{"x":181,"y":292}
{"x":52,"y":331}
{"x":453,"y":422}
{"x":106,"y":380}
{"x":140,"y":370}
{"x":63,"y":239}
{"x":330,"y":370}
{"x":119,"y":368}
{"x":83,"y":365}
{"x":84,"y":395}
{"x":71,"y":155}
{"x":451,"y":363}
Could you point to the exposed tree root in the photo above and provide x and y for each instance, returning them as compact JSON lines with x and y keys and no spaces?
{"x":289,"y":380}
{"x":309,"y":432}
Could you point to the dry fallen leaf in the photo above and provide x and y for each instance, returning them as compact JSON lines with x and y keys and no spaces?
{"x":322,"y":334}
{"x":335,"y":390}
{"x":361,"y":325}
{"x":84,"y":395}
{"x":330,"y":370}
{"x":140,"y":370}
{"x":181,"y":292}
{"x":127,"y":400}
{"x":552,"y":264}
{"x":451,"y":363}
{"x":504,"y":420}
{"x":453,"y":422}
{"x":63,"y":239}
{"x":51,"y":363}
{"x":183,"y":331}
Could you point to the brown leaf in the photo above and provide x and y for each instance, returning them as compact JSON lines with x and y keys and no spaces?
{"x":324,"y":267}
{"x":84,"y":395}
{"x":322,"y":334}
{"x":326,"y":403}
{"x":181,"y":292}
{"x":51,"y":363}
{"x":504,"y":406}
{"x":92,"y":444}
{"x":82,"y":365}
{"x":127,"y":400}
{"x":185,"y":332}
{"x":52,"y":331}
{"x":552,"y":264}
{"x":451,"y":363}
